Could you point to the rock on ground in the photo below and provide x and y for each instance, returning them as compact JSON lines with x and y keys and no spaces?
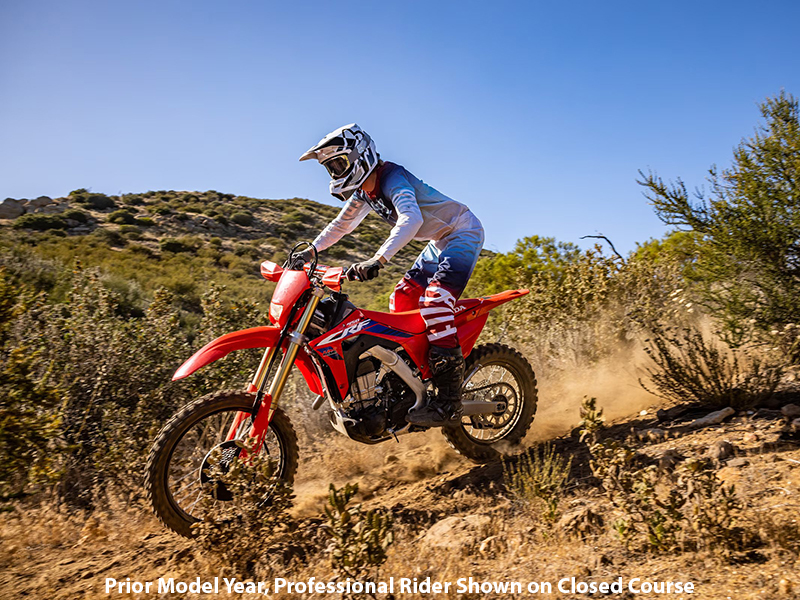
{"x":720,"y":450}
{"x":40,"y":202}
{"x":11,"y":209}
{"x":456,"y":533}
{"x":791,"y":411}
{"x":713,"y":418}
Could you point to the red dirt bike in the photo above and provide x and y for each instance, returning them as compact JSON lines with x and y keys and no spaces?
{"x":371,"y":368}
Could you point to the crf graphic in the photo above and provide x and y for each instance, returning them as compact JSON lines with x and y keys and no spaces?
{"x":346,"y":332}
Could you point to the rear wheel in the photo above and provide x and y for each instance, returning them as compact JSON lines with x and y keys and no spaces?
{"x":179,"y":458}
{"x":494,"y":373}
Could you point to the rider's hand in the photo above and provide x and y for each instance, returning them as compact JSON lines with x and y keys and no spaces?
{"x":366,"y":270}
{"x":299,"y":259}
{"x":306,"y":255}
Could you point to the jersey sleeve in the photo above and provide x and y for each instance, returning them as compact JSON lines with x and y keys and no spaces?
{"x":352,"y":213}
{"x":398,"y":189}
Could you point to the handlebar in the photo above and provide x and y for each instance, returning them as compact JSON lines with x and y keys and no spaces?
{"x":331,"y":277}
{"x":349,"y":274}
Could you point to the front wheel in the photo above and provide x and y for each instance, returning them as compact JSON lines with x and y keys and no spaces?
{"x":175,"y":467}
{"x":494,"y":372}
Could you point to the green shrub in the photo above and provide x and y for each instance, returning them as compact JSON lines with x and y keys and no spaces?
{"x":242,"y":218}
{"x":159,"y":209}
{"x":106,"y":406}
{"x":121,"y":217}
{"x":132,"y":232}
{"x":95,"y":201}
{"x":358,"y":540}
{"x":689,"y":366}
{"x":293,"y":216}
{"x":141,"y":249}
{"x":221,"y":219}
{"x":196,"y":208}
{"x":109,"y":237}
{"x":75,"y":214}
{"x":538,"y":476}
{"x":145,"y":222}
{"x":215,"y":241}
{"x":745,"y":230}
{"x":132,"y":200}
{"x":246,"y":251}
{"x":40,"y":222}
{"x":337,"y":253}
{"x":175,"y":245}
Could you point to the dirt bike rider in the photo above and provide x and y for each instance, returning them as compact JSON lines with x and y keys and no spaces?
{"x":416,"y":211}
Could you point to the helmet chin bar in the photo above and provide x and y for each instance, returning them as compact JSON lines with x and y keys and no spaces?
{"x":339,"y":191}
{"x":343,"y":196}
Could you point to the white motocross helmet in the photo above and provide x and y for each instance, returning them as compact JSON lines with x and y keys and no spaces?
{"x":349,"y":155}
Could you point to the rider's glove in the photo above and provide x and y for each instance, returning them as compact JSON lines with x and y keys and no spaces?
{"x":299,"y":259}
{"x":366,"y":270}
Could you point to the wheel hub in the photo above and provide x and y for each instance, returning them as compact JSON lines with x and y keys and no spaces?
{"x":227,"y":452}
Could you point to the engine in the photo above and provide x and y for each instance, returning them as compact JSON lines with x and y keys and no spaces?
{"x":379,"y":401}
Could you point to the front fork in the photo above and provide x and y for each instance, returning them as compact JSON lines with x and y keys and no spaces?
{"x":267,"y":401}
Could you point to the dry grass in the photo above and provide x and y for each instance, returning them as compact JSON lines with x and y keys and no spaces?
{"x":47,"y":553}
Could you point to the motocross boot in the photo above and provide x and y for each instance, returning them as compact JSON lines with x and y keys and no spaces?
{"x":447,"y":370}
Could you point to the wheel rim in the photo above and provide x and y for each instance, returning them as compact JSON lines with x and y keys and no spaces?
{"x":492,"y":382}
{"x":189,"y":455}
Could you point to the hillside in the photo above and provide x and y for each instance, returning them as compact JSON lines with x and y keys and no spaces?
{"x":185,"y":241}
{"x":648,"y":490}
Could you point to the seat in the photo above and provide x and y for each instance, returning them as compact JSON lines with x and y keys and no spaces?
{"x":411,"y":321}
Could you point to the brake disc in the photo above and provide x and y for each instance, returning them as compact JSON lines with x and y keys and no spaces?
{"x":227,"y":452}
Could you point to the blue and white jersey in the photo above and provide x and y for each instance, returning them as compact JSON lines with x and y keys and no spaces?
{"x":415,"y":210}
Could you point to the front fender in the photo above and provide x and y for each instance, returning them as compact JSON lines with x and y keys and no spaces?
{"x":255,"y":337}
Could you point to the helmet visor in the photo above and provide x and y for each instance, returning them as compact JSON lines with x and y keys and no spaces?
{"x":337,"y":166}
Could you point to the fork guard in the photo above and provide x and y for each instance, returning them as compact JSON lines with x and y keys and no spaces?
{"x":255,"y":337}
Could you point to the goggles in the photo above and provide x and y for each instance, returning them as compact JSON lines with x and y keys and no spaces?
{"x":337,"y":166}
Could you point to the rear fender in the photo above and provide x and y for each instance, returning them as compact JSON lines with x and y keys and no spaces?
{"x":471,"y":318}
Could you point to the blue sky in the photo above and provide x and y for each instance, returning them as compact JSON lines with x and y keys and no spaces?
{"x":538,"y":115}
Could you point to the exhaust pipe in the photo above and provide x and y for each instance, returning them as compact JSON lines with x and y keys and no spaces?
{"x":396,"y":364}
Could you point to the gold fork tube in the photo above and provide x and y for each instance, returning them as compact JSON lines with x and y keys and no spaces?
{"x":279,"y":381}
{"x":261,"y":373}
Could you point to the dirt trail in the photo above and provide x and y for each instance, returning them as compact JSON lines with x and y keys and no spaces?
{"x":47,"y":554}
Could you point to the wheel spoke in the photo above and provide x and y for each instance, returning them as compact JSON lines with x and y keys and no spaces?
{"x":197,"y":470}
{"x":184,"y":491}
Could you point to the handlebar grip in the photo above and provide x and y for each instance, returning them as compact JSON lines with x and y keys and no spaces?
{"x":352,"y":275}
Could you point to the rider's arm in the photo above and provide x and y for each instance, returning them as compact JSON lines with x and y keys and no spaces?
{"x":346,"y":221}
{"x":409,"y":218}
